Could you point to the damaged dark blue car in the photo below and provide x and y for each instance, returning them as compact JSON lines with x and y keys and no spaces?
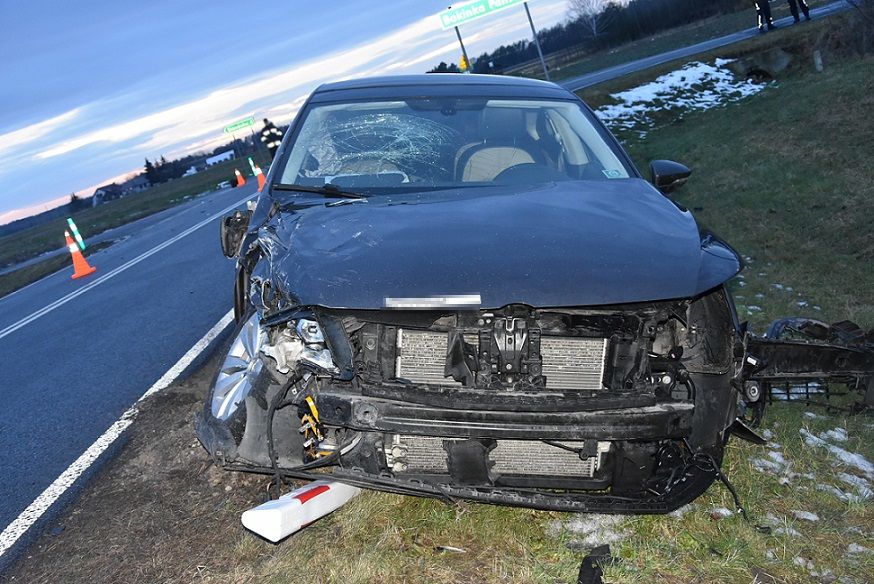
{"x":460,"y":286}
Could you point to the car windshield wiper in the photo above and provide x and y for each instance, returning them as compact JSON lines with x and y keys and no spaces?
{"x":327,"y":190}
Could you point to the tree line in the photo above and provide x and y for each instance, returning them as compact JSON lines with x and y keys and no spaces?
{"x":595,"y":25}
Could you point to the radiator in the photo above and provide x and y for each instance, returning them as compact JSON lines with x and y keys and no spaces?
{"x":426,"y":455}
{"x":569,"y":363}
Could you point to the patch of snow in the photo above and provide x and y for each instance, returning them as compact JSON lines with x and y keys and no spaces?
{"x":812,"y":416}
{"x":838,"y":434}
{"x":778,"y":458}
{"x":805,"y":516}
{"x":696,"y":86}
{"x":817,"y":308}
{"x":721,"y":512}
{"x":679,"y":513}
{"x":849,"y":458}
{"x":767,"y":466}
{"x":719,"y":62}
{"x":760,"y":295}
{"x":767,"y":434}
{"x":855,"y":548}
{"x":754,"y":308}
{"x":770,"y":554}
{"x":863,"y":487}
{"x":834,"y":491}
{"x":741,"y":283}
{"x":801,"y":303}
{"x":595,"y":529}
{"x":790,"y":531}
{"x":777,"y":286}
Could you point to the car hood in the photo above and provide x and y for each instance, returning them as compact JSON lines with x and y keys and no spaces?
{"x":580,"y":243}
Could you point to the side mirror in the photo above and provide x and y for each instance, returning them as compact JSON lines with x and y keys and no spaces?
{"x":668,"y":176}
{"x":232,"y":230}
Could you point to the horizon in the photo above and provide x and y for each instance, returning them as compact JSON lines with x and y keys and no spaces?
{"x":158,"y":93}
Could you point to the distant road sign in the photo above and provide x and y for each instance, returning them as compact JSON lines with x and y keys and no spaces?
{"x":250,"y":121}
{"x":464,"y":13}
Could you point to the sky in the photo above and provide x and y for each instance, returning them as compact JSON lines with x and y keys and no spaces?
{"x":89,"y":89}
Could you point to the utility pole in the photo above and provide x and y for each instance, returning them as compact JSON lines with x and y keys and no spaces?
{"x":463,"y":50}
{"x":536,"y":42}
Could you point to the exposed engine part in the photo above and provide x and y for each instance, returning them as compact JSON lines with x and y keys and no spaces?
{"x":752,"y":391}
{"x":296,"y":342}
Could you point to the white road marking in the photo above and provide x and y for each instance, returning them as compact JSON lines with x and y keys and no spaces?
{"x":64,"y":299}
{"x":48,"y":497}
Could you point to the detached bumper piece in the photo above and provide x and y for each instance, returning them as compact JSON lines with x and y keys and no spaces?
{"x":275,"y":520}
{"x":797,"y":353}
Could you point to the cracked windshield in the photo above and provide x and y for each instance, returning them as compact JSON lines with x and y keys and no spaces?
{"x":450,"y":143}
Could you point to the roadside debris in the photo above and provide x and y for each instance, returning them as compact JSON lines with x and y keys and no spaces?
{"x":275,"y":520}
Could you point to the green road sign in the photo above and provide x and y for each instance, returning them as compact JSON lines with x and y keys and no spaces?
{"x":464,"y":13}
{"x":250,"y":121}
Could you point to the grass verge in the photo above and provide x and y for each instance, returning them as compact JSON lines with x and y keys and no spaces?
{"x":669,"y":40}
{"x":20,"y":278}
{"x":29,"y":243}
{"x":785,"y":178}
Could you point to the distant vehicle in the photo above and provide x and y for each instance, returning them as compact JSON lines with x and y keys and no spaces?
{"x":460,"y":286}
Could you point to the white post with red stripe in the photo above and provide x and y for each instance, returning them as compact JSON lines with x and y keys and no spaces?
{"x":276,"y":520}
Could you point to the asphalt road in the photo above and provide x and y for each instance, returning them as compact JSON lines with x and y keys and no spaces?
{"x":595,"y":77}
{"x":69,"y":374}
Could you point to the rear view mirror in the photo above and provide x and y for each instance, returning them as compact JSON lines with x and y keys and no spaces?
{"x":668,"y":176}
{"x":232,"y":230}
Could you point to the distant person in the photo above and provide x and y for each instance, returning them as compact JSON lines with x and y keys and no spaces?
{"x":793,"y":6}
{"x":763,"y":10}
{"x":271,"y":136}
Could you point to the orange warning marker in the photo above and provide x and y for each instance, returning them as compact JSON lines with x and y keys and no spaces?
{"x":80,"y":264}
{"x":240,"y":180}
{"x":262,"y":180}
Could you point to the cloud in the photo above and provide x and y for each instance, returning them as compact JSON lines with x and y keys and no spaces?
{"x":199,"y":122}
{"x":36,"y":131}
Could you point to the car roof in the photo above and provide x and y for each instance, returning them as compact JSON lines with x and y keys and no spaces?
{"x":439,"y":84}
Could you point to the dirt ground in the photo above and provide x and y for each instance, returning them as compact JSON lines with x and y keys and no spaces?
{"x":159,"y":497}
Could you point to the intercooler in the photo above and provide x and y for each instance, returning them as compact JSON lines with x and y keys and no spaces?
{"x":427,"y":455}
{"x":569,"y":363}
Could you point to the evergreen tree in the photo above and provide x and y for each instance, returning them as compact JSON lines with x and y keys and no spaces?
{"x":151,"y":173}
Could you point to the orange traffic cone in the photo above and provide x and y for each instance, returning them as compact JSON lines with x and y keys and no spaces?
{"x":262,"y":180}
{"x":240,"y":180}
{"x":80,"y":264}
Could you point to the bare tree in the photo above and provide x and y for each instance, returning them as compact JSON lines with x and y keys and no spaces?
{"x":593,"y":14}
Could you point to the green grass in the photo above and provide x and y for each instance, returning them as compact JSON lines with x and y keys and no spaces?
{"x":20,"y":278}
{"x":786,"y":178}
{"x":669,"y":40}
{"x":30,"y":243}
